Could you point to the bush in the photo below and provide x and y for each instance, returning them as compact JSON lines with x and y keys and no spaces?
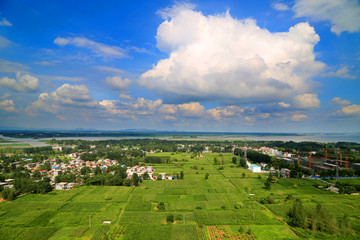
{"x":170,"y":218}
{"x":206,"y":176}
{"x":8,"y":194}
{"x":161,"y":206}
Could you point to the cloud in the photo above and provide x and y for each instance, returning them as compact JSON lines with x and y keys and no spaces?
{"x":280,"y":6}
{"x":155,"y":109}
{"x":48,"y":63}
{"x":5,"y":22}
{"x":110,"y":69}
{"x":250,"y":119}
{"x":173,"y":11}
{"x":117,"y":83}
{"x":339,"y":101}
{"x":298,"y":117}
{"x":22,"y":83}
{"x":125,"y":96}
{"x":306,"y":101}
{"x":11,"y":67}
{"x":4,"y":42}
{"x":220,"y":58}
{"x":351,"y":110}
{"x":264,"y":115}
{"x":225,"y":112}
{"x":7,"y":105}
{"x":192,"y":109}
{"x":64,"y":98}
{"x":62,"y":78}
{"x":344,"y":15}
{"x":99,"y":49}
{"x":341,"y":73}
{"x":6,"y":95}
{"x":284,"y":105}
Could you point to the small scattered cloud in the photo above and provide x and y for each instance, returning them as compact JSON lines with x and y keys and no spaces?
{"x":192,"y":109}
{"x":7,"y":105}
{"x":99,"y":49}
{"x":343,"y":72}
{"x":280,"y":6}
{"x":61,"y":78}
{"x":22,"y":83}
{"x":284,"y":105}
{"x":350,"y":110}
{"x":4,"y":42}
{"x":339,"y":101}
{"x":344,"y":15}
{"x":117,"y":83}
{"x":5,"y":22}
{"x":225,"y":112}
{"x":64,"y":98}
{"x":6,"y":95}
{"x":298,"y":117}
{"x":48,"y":63}
{"x":110,"y":69}
{"x":264,"y":115}
{"x":250,"y":119}
{"x":11,"y":67}
{"x":125,"y":97}
{"x":307,"y":101}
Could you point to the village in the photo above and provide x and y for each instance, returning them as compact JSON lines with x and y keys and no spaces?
{"x":73,"y":163}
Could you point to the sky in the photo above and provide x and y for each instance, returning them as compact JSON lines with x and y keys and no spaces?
{"x":212,"y":66}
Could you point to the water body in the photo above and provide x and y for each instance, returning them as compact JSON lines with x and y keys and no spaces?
{"x":324,"y":138}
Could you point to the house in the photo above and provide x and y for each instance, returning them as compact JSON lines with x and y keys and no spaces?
{"x":285,"y":173}
{"x":255,"y":168}
{"x":163,"y":176}
{"x":61,"y":186}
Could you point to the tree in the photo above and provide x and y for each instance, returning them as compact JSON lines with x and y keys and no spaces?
{"x":36,"y":174}
{"x":135,"y":179}
{"x":47,"y":166}
{"x":85,"y":170}
{"x":146,"y":176}
{"x":181,"y":175}
{"x":127,"y":182}
{"x":267,"y":185}
{"x":243,"y":175}
{"x":234,"y":160}
{"x":97,"y":171}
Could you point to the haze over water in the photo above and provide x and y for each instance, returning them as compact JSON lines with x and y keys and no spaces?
{"x":323,"y":138}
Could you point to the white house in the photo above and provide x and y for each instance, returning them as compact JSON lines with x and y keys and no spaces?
{"x":61,"y":186}
{"x":255,"y":168}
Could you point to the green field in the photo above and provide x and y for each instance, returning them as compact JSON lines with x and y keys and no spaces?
{"x":201,"y":208}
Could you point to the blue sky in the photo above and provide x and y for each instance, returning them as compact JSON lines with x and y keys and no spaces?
{"x":240,"y":66}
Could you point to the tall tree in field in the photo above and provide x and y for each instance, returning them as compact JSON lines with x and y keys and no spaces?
{"x":135,"y":179}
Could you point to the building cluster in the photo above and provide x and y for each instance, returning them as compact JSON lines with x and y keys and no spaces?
{"x":74,"y":165}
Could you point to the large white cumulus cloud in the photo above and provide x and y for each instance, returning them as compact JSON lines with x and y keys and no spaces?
{"x":218,"y":57}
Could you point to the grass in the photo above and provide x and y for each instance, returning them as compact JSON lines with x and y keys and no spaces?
{"x":220,"y":203}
